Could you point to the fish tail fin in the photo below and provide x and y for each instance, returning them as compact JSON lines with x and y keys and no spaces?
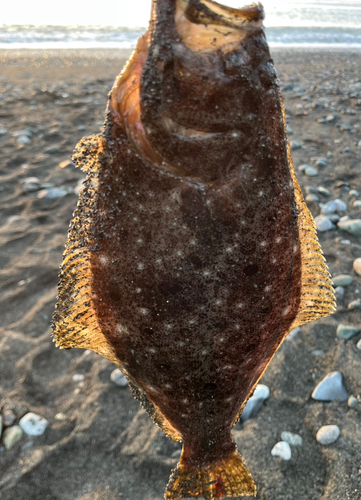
{"x":228,"y":477}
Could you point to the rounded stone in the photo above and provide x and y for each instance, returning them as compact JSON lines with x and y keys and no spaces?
{"x":342,"y":280}
{"x":312,"y":197}
{"x":291,"y":438}
{"x":324,"y":191}
{"x":11,"y":436}
{"x":339,"y":291}
{"x":52,"y":194}
{"x":282,"y":450}
{"x":358,"y":345}
{"x":357,"y":265}
{"x":323,"y":224}
{"x":255,"y":402}
{"x":330,"y":388}
{"x":9,"y":418}
{"x":311,"y":171}
{"x":328,"y":434}
{"x":33,"y":424}
{"x":352,"y":402}
{"x":118,"y":378}
{"x":354,"y":304}
{"x":346,"y":331}
{"x":352,"y":226}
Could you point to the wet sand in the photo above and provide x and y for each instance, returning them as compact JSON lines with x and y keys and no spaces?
{"x":99,"y":444}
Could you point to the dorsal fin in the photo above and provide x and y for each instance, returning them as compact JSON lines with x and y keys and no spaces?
{"x":74,"y":321}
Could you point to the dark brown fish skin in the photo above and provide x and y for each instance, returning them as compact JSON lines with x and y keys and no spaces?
{"x":195,"y":261}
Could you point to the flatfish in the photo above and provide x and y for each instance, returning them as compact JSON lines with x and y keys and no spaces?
{"x":191,"y":254}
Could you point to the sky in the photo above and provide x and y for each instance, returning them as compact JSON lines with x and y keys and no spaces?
{"x":130,"y":13}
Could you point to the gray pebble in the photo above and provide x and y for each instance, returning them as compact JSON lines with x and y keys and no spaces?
{"x":25,"y":131}
{"x":320,"y":161}
{"x":331,"y":118}
{"x":33,"y":424}
{"x":357,"y":204}
{"x":339,"y":291}
{"x":52,"y":194}
{"x":323,"y":223}
{"x":303,"y":167}
{"x":342,"y":280}
{"x":311,"y":171}
{"x":358,"y":345}
{"x":282,"y":450}
{"x":328,"y":434}
{"x":255,"y":402}
{"x":330,"y":388}
{"x":176,"y":454}
{"x":345,"y":242}
{"x":357,"y":265}
{"x":318,"y":352}
{"x":329,"y":154}
{"x":312,"y":197}
{"x":295,"y":145}
{"x":352,"y":402}
{"x":9,"y":418}
{"x":346,"y":331}
{"x":334,"y":206}
{"x":23,"y":139}
{"x":3,"y":131}
{"x":289,"y":130}
{"x":352,"y":226}
{"x":354,"y":304}
{"x":324,"y":191}
{"x":311,"y":190}
{"x":30,"y":184}
{"x":118,"y":378}
{"x":353,"y":192}
{"x":11,"y":436}
{"x":291,"y":438}
{"x":53,"y":150}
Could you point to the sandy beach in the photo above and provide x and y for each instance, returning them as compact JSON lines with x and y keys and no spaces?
{"x":99,"y":444}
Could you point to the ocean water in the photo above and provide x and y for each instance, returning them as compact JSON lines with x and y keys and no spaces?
{"x":326,"y":23}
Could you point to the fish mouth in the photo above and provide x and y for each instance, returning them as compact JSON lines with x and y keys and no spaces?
{"x":181,"y":67}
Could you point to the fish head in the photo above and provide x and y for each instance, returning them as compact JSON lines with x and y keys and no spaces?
{"x":204,"y":79}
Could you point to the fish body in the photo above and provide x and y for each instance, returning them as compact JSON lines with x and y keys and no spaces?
{"x":191,"y":254}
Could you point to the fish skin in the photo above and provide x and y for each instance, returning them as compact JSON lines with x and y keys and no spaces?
{"x":191,"y":254}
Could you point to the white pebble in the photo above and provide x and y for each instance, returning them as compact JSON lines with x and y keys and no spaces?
{"x":78,"y":377}
{"x":118,"y":378}
{"x":11,"y":436}
{"x":33,"y":424}
{"x":328,"y":434}
{"x":291,"y":438}
{"x":357,"y":265}
{"x":282,"y":450}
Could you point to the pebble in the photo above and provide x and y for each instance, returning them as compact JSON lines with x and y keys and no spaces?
{"x":357,"y":204}
{"x":282,"y":450}
{"x":334,"y":206}
{"x":320,"y":161}
{"x":295,"y":145}
{"x":312,"y":197}
{"x":3,"y":131}
{"x":324,"y":191}
{"x":352,"y":226}
{"x":357,"y":265}
{"x":323,"y":223}
{"x":331,"y":118}
{"x":255,"y":402}
{"x":354,"y":192}
{"x":328,"y":434}
{"x":11,"y":436}
{"x":26,"y":132}
{"x":342,"y":280}
{"x":354,"y":304}
{"x":33,"y":424}
{"x":78,"y":377}
{"x":291,"y":438}
{"x":303,"y":167}
{"x":293,"y":333}
{"x":52,"y":194}
{"x":66,"y":163}
{"x":339,"y":291}
{"x":1,"y":425}
{"x":352,"y":402}
{"x":9,"y":418}
{"x":330,"y":388}
{"x":311,"y":171}
{"x":345,"y":242}
{"x":311,"y":190}
{"x":318,"y":352}
{"x":346,"y":331}
{"x":23,"y":139}
{"x":358,"y":345}
{"x":52,"y":150}
{"x":118,"y":378}
{"x":30,"y":184}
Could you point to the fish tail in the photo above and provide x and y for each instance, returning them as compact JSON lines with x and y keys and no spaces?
{"x":228,"y":477}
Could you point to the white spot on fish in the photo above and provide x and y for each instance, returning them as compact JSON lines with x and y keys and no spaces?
{"x":206,"y":273}
{"x":138,"y":290}
{"x":158,"y":261}
{"x":267,"y":288}
{"x":204,"y":352}
{"x":140,"y":240}
{"x":143,"y":311}
{"x":260,"y":193}
{"x":263,"y":243}
{"x":240,"y":305}
{"x":185,"y":401}
{"x":152,"y":350}
{"x":104,"y":260}
{"x":286,"y":311}
{"x":229,"y":249}
{"x":295,"y":248}
{"x":179,"y":253}
{"x":274,"y":260}
{"x":140,"y":266}
{"x":278,"y":239}
{"x":192,"y":242}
